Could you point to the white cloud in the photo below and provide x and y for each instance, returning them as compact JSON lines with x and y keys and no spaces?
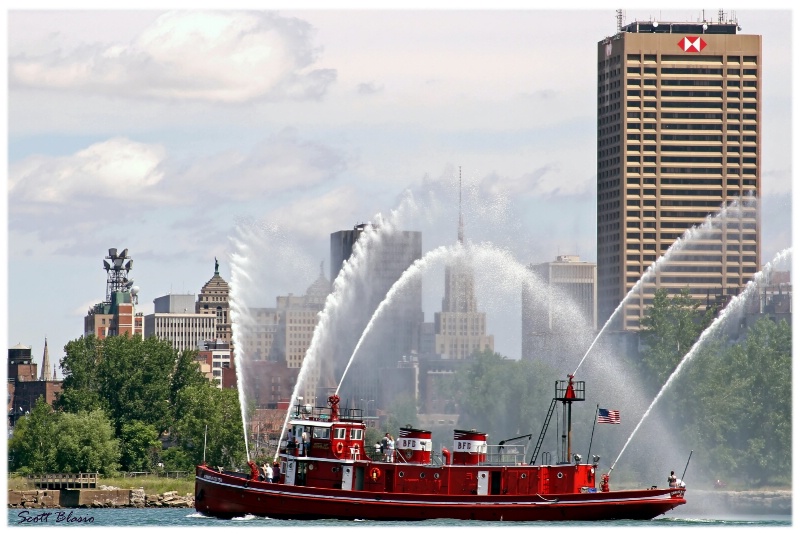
{"x":114,"y":169}
{"x":314,"y":215}
{"x":280,"y":163}
{"x":209,"y":56}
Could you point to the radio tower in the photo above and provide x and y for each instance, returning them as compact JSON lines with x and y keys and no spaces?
{"x":117,"y":272}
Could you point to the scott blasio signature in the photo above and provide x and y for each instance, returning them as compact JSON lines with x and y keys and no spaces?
{"x":67,"y":518}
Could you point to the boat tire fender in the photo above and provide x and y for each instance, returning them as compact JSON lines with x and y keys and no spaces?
{"x":375,"y":473}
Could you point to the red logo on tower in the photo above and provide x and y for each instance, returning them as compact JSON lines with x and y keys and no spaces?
{"x":692,"y":44}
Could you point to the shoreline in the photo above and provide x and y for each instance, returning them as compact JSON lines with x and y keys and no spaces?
{"x":97,"y":498}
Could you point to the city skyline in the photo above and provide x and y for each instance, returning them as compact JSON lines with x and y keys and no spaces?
{"x":119,"y":137}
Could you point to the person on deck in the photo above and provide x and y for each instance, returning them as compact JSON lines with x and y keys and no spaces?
{"x":276,"y":472}
{"x":390,"y":448}
{"x":305,"y":441}
{"x":672,"y":480}
{"x":385,"y":447}
{"x":270,"y":473}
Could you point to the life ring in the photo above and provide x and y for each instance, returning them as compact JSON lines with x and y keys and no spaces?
{"x":339,"y":447}
{"x":375,"y":473}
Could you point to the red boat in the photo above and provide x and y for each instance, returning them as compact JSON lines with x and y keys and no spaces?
{"x":336,"y":475}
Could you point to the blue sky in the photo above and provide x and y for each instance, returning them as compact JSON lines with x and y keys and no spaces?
{"x":162,"y":131}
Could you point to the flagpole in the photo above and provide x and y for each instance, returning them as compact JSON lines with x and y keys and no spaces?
{"x":589,"y":454}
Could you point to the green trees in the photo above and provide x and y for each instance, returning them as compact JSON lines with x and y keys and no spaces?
{"x":503,"y":397}
{"x":30,"y":449}
{"x":120,"y":395}
{"x":85,"y":443}
{"x":733,"y":401}
{"x":140,"y":446}
{"x":741,"y":405}
{"x":199,"y":406}
{"x":669,"y":329}
{"x":45,"y":441}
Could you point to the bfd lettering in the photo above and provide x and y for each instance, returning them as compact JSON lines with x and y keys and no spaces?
{"x":464,"y":446}
{"x":408,"y":443}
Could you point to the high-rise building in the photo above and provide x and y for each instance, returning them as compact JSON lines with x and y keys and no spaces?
{"x":678,"y":136}
{"x":550,"y":319}
{"x":460,"y":327}
{"x":385,"y":263}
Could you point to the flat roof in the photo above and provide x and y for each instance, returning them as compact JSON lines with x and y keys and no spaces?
{"x":654,"y":26}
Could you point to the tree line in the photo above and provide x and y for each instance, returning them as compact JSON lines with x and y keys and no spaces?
{"x":129,"y":404}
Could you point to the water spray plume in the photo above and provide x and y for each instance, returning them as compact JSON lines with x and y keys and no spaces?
{"x":734,"y":304}
{"x":414,"y":270}
{"x":373,"y":235}
{"x":692,"y":234}
{"x":514,"y":276}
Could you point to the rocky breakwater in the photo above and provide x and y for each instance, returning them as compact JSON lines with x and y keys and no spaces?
{"x":103,"y":497}
{"x":169,"y":499}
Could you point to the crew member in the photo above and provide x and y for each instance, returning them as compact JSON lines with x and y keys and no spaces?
{"x":672,"y":480}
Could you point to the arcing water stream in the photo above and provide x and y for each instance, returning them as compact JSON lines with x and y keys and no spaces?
{"x":735,"y":303}
{"x":694,"y":233}
{"x":513,"y":277}
{"x":353,"y":269}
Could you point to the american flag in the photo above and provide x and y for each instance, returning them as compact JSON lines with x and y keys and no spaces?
{"x":608,"y":416}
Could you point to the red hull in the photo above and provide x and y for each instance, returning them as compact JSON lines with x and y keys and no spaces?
{"x":229,"y":495}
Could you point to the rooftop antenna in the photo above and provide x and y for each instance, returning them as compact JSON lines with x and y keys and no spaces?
{"x":620,"y":19}
{"x":721,"y":16}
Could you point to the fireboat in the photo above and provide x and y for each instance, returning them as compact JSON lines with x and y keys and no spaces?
{"x":336,"y":476}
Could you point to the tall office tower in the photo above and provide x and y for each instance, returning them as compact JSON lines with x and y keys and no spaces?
{"x":678,"y":136}
{"x":398,"y":331}
{"x":460,"y":327}
{"x":549,"y":322}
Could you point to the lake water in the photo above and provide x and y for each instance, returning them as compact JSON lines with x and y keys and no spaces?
{"x":183,"y":517}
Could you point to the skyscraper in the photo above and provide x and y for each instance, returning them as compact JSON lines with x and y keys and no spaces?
{"x":678,"y":136}
{"x":398,"y":332}
{"x":549,"y":321}
{"x":460,"y":327}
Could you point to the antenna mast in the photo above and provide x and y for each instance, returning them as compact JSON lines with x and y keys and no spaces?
{"x":620,"y":19}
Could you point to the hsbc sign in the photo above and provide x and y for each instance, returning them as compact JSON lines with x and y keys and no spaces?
{"x":692,"y":44}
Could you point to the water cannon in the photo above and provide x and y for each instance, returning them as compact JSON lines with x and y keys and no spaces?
{"x":577,"y":457}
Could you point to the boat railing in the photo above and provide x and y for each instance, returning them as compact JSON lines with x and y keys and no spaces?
{"x":505,"y":454}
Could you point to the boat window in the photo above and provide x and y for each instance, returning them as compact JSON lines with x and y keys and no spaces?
{"x":356,"y":433}
{"x":322,"y":433}
{"x":339,"y":433}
